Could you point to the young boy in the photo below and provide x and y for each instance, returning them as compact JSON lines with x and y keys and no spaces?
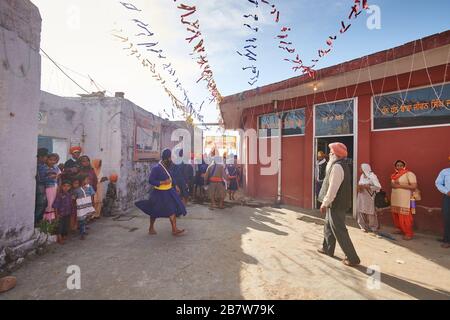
{"x":73,"y":218}
{"x":84,"y":197}
{"x":111,"y":196}
{"x":63,"y":206}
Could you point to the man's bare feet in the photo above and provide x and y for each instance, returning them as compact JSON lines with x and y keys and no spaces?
{"x":178,"y":232}
{"x":152,"y":232}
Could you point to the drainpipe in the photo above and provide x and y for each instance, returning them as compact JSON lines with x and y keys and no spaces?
{"x":280,"y":137}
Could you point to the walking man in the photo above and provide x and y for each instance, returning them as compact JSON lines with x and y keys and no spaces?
{"x":215,"y":179}
{"x":336,"y":198}
{"x":443,"y":185}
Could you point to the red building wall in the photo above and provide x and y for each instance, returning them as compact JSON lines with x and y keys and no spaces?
{"x":293,"y":171}
{"x":424,"y":149}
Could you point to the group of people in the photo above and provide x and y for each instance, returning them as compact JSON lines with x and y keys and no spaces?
{"x":172,"y":187}
{"x":334,"y":194}
{"x":71,"y":194}
{"x":191,"y":182}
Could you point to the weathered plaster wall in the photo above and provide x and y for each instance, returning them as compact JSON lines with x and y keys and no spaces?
{"x":133,"y":184}
{"x":20,"y":28}
{"x":93,"y":123}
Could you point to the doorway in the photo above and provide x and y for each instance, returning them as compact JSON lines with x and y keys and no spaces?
{"x":322,"y":145}
{"x":55,"y":145}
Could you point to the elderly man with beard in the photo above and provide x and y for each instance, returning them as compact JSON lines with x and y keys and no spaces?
{"x":336,"y":199}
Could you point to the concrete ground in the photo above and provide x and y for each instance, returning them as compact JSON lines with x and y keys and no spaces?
{"x":237,"y":253}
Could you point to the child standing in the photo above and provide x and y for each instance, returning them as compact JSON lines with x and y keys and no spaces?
{"x":63,"y":206}
{"x":51,"y":185}
{"x":87,"y":170}
{"x":85,"y":198}
{"x":73,"y":217}
{"x":111,"y":196}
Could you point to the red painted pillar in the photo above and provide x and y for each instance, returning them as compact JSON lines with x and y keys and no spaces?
{"x":364,"y":129}
{"x":308,"y":162}
{"x":251,"y":172}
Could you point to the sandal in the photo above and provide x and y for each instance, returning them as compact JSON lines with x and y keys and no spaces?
{"x":321,"y":251}
{"x":350,"y":264}
{"x":179,"y":233}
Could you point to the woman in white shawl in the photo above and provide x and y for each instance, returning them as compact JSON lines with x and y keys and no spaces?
{"x":368,"y":187}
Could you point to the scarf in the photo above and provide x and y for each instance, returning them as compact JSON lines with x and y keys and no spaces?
{"x":399,"y":173}
{"x":96,"y":165}
{"x":368,"y":177}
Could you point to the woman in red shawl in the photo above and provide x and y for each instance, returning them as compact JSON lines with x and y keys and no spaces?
{"x":403,"y":183}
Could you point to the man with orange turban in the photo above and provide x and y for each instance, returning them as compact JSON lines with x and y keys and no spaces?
{"x":336,"y":198}
{"x":72,"y":166}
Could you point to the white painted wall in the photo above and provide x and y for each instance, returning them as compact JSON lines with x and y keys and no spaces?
{"x":20,"y":27}
{"x":92,"y":122}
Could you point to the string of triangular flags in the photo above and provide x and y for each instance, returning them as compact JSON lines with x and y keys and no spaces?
{"x":286,"y":45}
{"x":251,"y":45}
{"x":189,"y":111}
{"x":195,"y":33}
{"x":356,"y":10}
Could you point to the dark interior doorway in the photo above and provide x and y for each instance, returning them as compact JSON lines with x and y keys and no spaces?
{"x":322,"y":145}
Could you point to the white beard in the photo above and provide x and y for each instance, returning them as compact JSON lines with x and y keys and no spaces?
{"x":330,"y":163}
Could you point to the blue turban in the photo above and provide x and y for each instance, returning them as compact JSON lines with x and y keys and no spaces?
{"x":167,"y":154}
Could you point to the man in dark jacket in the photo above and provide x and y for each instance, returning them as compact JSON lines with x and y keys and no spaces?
{"x":72,"y":166}
{"x":336,"y":198}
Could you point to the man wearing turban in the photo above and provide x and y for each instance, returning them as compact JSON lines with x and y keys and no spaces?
{"x":164,"y":200}
{"x":336,"y":198}
{"x":72,"y":166}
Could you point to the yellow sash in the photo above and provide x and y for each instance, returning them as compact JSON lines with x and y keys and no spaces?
{"x":164,"y":187}
{"x":167,"y":186}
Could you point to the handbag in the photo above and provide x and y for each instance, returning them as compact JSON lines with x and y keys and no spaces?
{"x":84,"y":206}
{"x":416,"y":194}
{"x":381,"y":200}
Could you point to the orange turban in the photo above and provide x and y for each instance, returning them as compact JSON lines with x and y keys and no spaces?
{"x":113,"y":178}
{"x":339,"y":149}
{"x":75,"y":149}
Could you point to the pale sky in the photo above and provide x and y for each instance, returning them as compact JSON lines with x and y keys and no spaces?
{"x":77,"y":34}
